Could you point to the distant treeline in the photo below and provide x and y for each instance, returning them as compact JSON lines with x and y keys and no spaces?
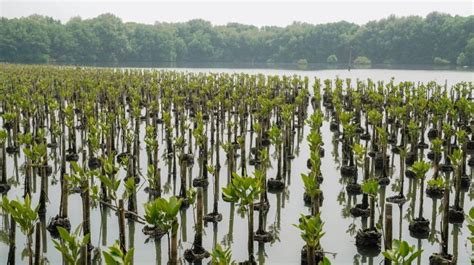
{"x":436,"y":39}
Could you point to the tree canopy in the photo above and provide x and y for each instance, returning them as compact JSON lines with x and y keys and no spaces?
{"x":107,"y":39}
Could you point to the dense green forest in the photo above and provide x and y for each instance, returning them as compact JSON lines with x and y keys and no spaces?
{"x":436,"y":39}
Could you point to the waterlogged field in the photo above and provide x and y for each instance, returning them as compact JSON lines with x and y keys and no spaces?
{"x":221,"y":145}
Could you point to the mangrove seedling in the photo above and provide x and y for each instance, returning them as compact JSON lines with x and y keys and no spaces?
{"x":456,"y":212}
{"x":214,"y":216}
{"x":115,"y":256}
{"x":80,"y":178}
{"x":275,"y":136}
{"x":70,"y":245}
{"x":419,"y":227}
{"x":402,"y":253}
{"x":4,"y":186}
{"x":221,"y":256}
{"x":354,"y":188}
{"x":245,"y":190}
{"x":434,"y":190}
{"x":368,"y":240}
{"x":160,"y":216}
{"x":311,"y":232}
{"x":25,"y":216}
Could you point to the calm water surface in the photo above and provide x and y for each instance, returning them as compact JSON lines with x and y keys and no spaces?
{"x":285,"y":207}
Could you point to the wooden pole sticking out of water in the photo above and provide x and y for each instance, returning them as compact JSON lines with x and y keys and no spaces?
{"x":388,"y":230}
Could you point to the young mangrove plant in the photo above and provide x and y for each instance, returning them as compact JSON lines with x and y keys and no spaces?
{"x":275,"y":136}
{"x":245,"y":190}
{"x":26,"y":217}
{"x":221,"y":256}
{"x":4,"y":186}
{"x":70,"y":245}
{"x":368,"y":241}
{"x":161,"y":217}
{"x":420,"y":227}
{"x":214,"y":216}
{"x":81,"y":178}
{"x":456,"y":212}
{"x":402,"y":253}
{"x":115,"y":256}
{"x":435,"y":187}
{"x":311,"y":232}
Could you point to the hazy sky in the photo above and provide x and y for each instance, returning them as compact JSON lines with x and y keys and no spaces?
{"x":258,"y":13}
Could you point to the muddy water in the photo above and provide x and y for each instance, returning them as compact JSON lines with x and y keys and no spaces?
{"x":285,"y":207}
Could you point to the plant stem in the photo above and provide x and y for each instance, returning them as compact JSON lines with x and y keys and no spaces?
{"x":121,"y":222}
{"x":12,"y":248}
{"x":422,"y":188}
{"x":310,"y":255}
{"x":38,"y":244}
{"x":250,"y":231}
{"x":174,"y":243}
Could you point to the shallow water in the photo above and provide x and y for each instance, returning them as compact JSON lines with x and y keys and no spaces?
{"x":285,"y":208}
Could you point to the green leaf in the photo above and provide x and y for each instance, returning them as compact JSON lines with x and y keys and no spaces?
{"x":325,"y":261}
{"x":404,"y":248}
{"x":370,"y":187}
{"x":109,"y":260}
{"x":129,"y":257}
{"x":413,"y":257}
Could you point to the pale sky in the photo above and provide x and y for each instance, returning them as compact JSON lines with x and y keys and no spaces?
{"x":259,"y":13}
